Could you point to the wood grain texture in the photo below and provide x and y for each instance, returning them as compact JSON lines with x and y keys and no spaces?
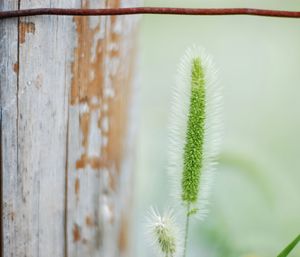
{"x":100,"y":95}
{"x":9,"y":155}
{"x":42,"y":128}
{"x":34,"y":197}
{"x":66,"y":131}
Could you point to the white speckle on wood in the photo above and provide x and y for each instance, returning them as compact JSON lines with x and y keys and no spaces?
{"x":84,"y":108}
{"x":104,"y":141}
{"x":95,"y":136}
{"x":105,"y":124}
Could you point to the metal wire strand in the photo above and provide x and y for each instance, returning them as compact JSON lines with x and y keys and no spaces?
{"x":149,"y":10}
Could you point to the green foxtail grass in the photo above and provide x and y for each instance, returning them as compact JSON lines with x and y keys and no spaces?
{"x":194,"y":132}
{"x":194,"y":145}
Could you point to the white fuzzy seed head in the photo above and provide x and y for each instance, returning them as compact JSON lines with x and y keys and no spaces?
{"x":163,"y":233}
{"x":180,"y":117}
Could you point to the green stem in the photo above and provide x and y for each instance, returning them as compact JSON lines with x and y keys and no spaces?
{"x":186,"y":232}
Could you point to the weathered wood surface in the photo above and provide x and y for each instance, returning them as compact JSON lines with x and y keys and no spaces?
{"x":66,"y":94}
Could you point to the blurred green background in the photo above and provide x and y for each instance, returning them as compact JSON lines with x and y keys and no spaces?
{"x":255,"y":206}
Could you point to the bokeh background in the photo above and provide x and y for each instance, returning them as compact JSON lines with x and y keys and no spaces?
{"x":255,"y":205}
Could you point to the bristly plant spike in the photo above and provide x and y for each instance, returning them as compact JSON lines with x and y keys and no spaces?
{"x":164,"y":235}
{"x":193,"y":150}
{"x":194,"y":132}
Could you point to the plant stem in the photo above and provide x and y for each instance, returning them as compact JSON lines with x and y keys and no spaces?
{"x":186,"y":232}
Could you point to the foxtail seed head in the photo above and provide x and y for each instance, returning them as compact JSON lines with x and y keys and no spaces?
{"x":194,"y":130}
{"x":163,"y":233}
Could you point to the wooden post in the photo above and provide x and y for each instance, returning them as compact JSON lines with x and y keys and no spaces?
{"x":66,"y":131}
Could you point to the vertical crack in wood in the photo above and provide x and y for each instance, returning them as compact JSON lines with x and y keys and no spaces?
{"x":17,"y":90}
{"x":8,"y":29}
{"x":1,"y":187}
{"x":66,"y":189}
{"x":1,"y":182}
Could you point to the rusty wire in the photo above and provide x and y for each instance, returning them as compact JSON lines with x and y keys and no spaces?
{"x":149,"y":10}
